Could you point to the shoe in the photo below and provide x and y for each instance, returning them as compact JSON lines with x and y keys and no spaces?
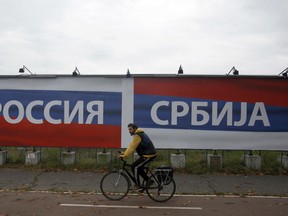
{"x":141,"y":190}
{"x":148,"y":184}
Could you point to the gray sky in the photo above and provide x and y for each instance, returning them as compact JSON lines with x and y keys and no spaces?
{"x":146,"y":36}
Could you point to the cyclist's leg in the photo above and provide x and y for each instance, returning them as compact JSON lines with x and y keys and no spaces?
{"x":140,"y":167}
{"x":135,"y":168}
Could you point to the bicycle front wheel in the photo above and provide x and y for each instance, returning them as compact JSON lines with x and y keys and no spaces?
{"x":160,"y":192}
{"x":115,"y":185}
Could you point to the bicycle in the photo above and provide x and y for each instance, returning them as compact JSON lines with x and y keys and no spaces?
{"x":160,"y":186}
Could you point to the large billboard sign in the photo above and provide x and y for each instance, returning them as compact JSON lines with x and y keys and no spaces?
{"x":61,"y":111}
{"x":188,"y":112}
{"x":214,"y":113}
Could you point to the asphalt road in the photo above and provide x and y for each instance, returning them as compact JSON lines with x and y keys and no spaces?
{"x":63,"y":181}
{"x":36,"y":192}
{"x":47,"y":203}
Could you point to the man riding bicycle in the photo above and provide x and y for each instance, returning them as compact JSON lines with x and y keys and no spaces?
{"x":144,"y":148}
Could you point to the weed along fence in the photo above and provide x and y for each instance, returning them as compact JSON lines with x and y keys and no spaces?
{"x":73,"y":119}
{"x":191,"y":160}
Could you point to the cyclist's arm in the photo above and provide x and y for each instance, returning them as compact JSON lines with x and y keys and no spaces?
{"x":132,"y":146}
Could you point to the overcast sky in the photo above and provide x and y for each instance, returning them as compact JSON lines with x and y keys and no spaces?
{"x":146,"y":36}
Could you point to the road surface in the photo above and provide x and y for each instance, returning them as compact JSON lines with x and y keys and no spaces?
{"x":25,"y":203}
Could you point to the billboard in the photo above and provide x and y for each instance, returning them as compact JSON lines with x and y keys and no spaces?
{"x":60,"y":112}
{"x":183,"y":112}
{"x":214,"y":112}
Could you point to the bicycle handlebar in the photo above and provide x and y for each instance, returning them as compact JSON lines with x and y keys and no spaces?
{"x":124,"y":161}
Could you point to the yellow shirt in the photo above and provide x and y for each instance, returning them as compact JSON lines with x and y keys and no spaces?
{"x":133,"y":145}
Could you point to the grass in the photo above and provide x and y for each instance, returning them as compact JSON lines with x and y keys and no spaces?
{"x":195,"y":161}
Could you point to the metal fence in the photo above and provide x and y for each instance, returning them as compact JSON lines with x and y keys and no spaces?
{"x":197,"y":161}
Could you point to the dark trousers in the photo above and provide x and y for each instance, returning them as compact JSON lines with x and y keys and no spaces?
{"x":138,"y":168}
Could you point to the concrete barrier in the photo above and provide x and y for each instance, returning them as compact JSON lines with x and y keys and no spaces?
{"x":252,"y":161}
{"x":214,"y":161}
{"x":283,"y":160}
{"x":104,"y":158}
{"x":32,"y":157}
{"x":177,"y":160}
{"x":3,"y":157}
{"x":68,"y":158}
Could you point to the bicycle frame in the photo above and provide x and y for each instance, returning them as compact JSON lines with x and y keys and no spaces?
{"x":129,"y":171}
{"x":126,"y":171}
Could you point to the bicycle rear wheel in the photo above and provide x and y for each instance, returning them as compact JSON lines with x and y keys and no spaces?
{"x":115,"y":185}
{"x":158,"y":191}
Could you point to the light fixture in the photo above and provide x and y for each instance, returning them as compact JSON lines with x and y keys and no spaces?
{"x":234,"y":70}
{"x":284,"y":73}
{"x":128,"y":75}
{"x":22,"y":70}
{"x":180,"y":70}
{"x":76,"y":72}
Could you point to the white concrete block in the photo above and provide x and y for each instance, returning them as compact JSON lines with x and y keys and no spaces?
{"x":68,"y":158}
{"x":283,"y":160}
{"x":177,"y":160}
{"x":3,"y":157}
{"x":214,"y":161}
{"x":252,"y":161}
{"x":104,"y":158}
{"x":32,"y":157}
